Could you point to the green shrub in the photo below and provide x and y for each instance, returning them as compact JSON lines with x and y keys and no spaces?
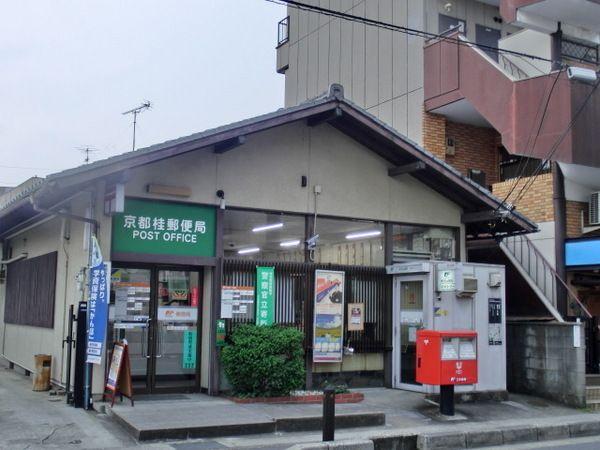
{"x":264,"y":361}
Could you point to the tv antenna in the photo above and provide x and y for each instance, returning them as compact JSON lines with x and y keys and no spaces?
{"x":135,"y":111}
{"x":86,"y":150}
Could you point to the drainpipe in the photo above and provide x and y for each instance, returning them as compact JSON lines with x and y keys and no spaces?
{"x":560,"y":230}
{"x":87,"y":394}
{"x":556,"y":49}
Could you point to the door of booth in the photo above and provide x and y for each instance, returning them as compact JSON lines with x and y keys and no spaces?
{"x":409,"y":317}
{"x":155,"y":308}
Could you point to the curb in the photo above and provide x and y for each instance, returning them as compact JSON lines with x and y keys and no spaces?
{"x":291,"y":424}
{"x":474,"y":438}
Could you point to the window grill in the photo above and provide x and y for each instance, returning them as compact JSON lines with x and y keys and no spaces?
{"x":579,"y":51}
{"x":294,"y":303}
{"x":283,"y":31}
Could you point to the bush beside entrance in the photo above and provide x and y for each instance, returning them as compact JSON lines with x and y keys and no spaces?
{"x":264,"y":361}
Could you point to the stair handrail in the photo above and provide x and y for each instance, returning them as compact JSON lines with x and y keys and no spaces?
{"x":532,"y":248}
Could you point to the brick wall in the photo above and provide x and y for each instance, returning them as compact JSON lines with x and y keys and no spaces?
{"x":475,"y":147}
{"x":537,"y":203}
{"x":573,"y":211}
{"x":434,"y":134}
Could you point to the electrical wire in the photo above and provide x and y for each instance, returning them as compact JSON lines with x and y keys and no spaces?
{"x":529,"y":152}
{"x":553,"y":149}
{"x":406,"y":30}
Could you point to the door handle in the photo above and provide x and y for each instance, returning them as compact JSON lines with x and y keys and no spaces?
{"x":159,"y":339}
{"x":145,"y":335}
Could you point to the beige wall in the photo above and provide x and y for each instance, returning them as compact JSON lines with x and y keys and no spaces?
{"x":265,"y":174}
{"x":20,"y":343}
{"x":381,"y":70}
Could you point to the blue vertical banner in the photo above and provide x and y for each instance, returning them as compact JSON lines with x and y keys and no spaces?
{"x":98,"y":300}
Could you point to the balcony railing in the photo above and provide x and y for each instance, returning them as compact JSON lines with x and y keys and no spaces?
{"x":283,"y":31}
{"x":579,"y":51}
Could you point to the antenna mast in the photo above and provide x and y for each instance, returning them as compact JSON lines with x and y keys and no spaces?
{"x":135,"y":112}
{"x":87,"y":150}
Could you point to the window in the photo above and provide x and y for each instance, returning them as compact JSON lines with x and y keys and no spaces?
{"x":30,"y":290}
{"x":446,"y":23}
{"x":350,"y":242}
{"x":263,"y":236}
{"x":478,"y":176}
{"x":424,"y":242}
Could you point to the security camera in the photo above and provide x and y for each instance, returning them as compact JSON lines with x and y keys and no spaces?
{"x":582,"y":74}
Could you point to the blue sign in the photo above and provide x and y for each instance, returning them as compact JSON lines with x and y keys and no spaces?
{"x":584,"y":252}
{"x":98,"y":300}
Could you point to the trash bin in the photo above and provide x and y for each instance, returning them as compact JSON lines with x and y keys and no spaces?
{"x":43,"y":365}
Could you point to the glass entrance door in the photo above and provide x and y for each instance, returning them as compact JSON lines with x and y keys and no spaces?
{"x":410,"y":320}
{"x":176,"y":330}
{"x":156,"y":311}
{"x":129,"y":319}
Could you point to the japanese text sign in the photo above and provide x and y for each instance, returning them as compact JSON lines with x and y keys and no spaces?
{"x":265,"y":295}
{"x":98,"y":300}
{"x":167,"y":228}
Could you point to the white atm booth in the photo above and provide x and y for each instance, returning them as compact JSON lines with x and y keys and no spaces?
{"x":446,"y":296}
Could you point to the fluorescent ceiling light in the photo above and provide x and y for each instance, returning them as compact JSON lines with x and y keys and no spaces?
{"x":363,"y":234}
{"x":271,"y":226}
{"x":245,"y":251}
{"x":293,"y":243}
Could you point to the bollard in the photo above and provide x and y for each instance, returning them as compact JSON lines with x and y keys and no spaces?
{"x":328,"y":414}
{"x":447,"y":400}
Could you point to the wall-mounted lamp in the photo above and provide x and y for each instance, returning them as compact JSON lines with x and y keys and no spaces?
{"x":221,"y":195}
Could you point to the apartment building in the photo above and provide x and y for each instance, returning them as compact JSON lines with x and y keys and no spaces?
{"x":521,"y":127}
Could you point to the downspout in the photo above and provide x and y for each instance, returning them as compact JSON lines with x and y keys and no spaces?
{"x":560,"y":229}
{"x":556,"y":49}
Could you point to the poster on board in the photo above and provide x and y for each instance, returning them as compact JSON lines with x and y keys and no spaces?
{"x":237,"y":302}
{"x":328,"y":326}
{"x":356,"y":316}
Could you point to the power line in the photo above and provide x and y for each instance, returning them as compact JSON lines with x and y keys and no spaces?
{"x":521,"y":167}
{"x":399,"y":28}
{"x":24,"y":168}
{"x":553,"y":149}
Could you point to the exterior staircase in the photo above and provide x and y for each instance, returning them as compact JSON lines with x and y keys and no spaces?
{"x":541,"y":276}
{"x":545,"y":282}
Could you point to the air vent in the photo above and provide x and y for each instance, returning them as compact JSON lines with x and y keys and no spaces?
{"x":595,"y":209}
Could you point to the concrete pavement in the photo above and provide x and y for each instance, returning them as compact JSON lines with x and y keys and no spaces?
{"x":32,"y":420}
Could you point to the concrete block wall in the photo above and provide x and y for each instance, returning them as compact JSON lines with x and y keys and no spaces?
{"x":543,"y":361}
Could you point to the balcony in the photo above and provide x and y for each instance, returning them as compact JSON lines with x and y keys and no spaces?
{"x":578,"y":18}
{"x":283,"y":51}
{"x":467,"y":86}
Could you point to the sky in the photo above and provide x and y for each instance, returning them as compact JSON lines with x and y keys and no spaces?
{"x":70,"y":68}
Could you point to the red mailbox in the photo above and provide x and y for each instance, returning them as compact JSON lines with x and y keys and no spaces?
{"x":446,"y":357}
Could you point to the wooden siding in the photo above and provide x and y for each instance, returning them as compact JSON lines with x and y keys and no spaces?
{"x":30,"y":291}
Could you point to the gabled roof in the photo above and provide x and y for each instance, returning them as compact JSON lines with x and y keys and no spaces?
{"x":480,"y":206}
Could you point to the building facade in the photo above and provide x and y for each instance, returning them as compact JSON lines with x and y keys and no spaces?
{"x":200,"y":213}
{"x":521,"y":127}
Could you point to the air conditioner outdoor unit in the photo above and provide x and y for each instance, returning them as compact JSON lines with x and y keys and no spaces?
{"x":595,"y":208}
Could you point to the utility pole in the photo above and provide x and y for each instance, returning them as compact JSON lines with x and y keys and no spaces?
{"x":135,"y":111}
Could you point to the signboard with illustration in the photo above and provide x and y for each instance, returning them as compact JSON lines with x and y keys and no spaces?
{"x":356,"y":316}
{"x":166,"y":228}
{"x":328,"y":316}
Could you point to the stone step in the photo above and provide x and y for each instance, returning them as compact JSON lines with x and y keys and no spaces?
{"x":592,"y":379}
{"x":594,"y":405}
{"x":592,"y":392}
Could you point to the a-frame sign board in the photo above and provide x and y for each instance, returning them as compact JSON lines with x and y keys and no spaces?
{"x":118,"y":379}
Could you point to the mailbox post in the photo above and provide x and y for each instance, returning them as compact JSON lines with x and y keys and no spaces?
{"x":446,"y":359}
